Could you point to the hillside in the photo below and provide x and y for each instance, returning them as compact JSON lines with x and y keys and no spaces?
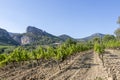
{"x":6,"y":39}
{"x":92,"y":36}
{"x":65,"y":37}
{"x":35,"y":36}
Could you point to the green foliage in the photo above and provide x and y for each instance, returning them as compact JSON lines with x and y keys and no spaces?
{"x":96,"y":40}
{"x":113,"y":44}
{"x":117,"y":33}
{"x":6,"y":49}
{"x":118,"y":20}
{"x":107,"y":38}
{"x":99,"y":48}
{"x":3,"y":57}
{"x":49,"y":53}
{"x":58,"y":53}
{"x":70,"y":42}
{"x":43,"y":39}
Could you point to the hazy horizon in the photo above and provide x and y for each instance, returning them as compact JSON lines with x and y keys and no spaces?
{"x":76,"y":18}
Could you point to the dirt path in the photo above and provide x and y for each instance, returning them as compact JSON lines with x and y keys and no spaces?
{"x":112,"y":64}
{"x":90,"y":67}
{"x":79,"y":64}
{"x":97,"y":70}
{"x":87,"y":67}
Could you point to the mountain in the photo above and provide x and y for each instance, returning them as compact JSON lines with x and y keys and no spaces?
{"x":16,"y":37}
{"x":92,"y":36}
{"x":6,"y":39}
{"x":35,"y":36}
{"x":65,"y":37}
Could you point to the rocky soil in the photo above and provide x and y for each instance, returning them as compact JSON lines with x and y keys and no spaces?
{"x":81,"y":66}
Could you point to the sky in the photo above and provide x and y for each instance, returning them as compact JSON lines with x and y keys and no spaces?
{"x":77,"y":18}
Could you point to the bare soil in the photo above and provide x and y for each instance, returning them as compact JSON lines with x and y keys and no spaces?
{"x":81,"y":66}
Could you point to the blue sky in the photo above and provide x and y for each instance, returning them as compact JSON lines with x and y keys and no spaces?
{"x":77,"y":18}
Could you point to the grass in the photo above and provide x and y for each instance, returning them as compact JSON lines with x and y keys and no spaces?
{"x":6,"y":49}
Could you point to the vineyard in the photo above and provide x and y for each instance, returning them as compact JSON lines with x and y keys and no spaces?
{"x":68,"y":61}
{"x":59,"y":40}
{"x":21,"y":55}
{"x":96,"y":59}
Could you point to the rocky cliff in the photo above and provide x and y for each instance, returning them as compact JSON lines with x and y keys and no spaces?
{"x":35,"y":36}
{"x":5,"y":38}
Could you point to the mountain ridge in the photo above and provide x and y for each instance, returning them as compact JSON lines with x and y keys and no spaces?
{"x":5,"y":38}
{"x":100,"y":35}
{"x":65,"y":37}
{"x":34,"y":36}
{"x":37,"y":36}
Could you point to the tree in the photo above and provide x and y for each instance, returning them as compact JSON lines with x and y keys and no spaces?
{"x":108,"y":37}
{"x":118,"y":22}
{"x":70,"y":42}
{"x":96,"y":40}
{"x":117,"y":33}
